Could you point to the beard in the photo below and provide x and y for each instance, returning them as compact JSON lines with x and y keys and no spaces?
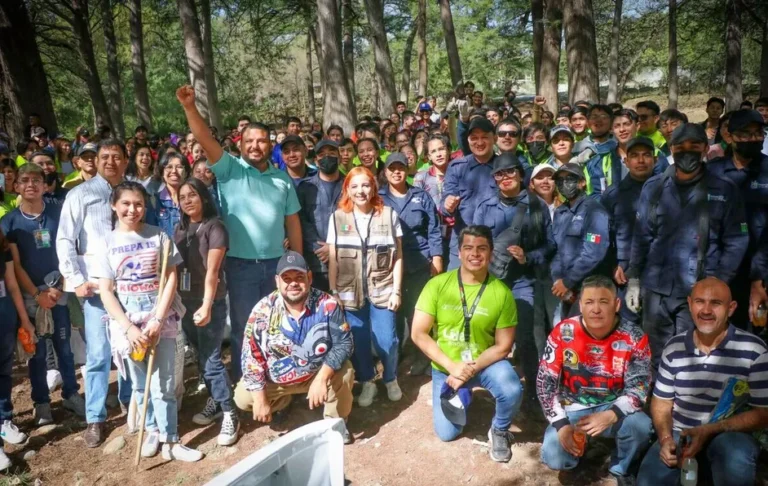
{"x":295,"y":300}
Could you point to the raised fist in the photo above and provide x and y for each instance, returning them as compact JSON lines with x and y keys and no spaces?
{"x":186,"y":96}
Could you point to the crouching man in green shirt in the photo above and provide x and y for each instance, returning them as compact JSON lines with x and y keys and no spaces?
{"x":474,"y":317}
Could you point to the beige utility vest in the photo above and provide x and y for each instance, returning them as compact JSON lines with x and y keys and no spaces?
{"x":364,"y":266}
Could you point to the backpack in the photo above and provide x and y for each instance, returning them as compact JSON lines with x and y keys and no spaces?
{"x":512,"y":236}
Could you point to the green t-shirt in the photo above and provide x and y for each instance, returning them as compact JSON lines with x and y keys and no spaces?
{"x":441,"y":299}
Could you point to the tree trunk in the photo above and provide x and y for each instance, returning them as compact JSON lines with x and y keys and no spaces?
{"x":422,"y":47}
{"x":613,"y":67}
{"x":24,"y":89}
{"x":672,"y":61}
{"x":138,"y":67}
{"x":348,"y":16}
{"x":82,"y":31}
{"x":764,"y":62}
{"x":374,"y":10}
{"x":338,"y":103}
{"x":733,"y":95}
{"x":550,"y":54}
{"x":113,"y":70}
{"x":537,"y":16}
{"x":405,"y":87}
{"x":210,"y":72}
{"x":310,"y":80}
{"x":581,"y":51}
{"x":454,"y":61}
{"x":320,"y":63}
{"x":193,"y":46}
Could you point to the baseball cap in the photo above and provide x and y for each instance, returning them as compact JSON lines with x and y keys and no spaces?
{"x":480,"y":123}
{"x":425,"y":106}
{"x":506,"y":161}
{"x":542,"y":168}
{"x":644,"y":141}
{"x":571,"y":168}
{"x":740,"y":119}
{"x":292,"y":139}
{"x":454,"y":403}
{"x":291,"y":260}
{"x":560,"y":129}
{"x":325,"y":143}
{"x":4,"y":148}
{"x":692,"y":132}
{"x":396,"y":158}
{"x":88,"y":147}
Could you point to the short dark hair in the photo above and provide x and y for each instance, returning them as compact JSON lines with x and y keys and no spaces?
{"x":649,"y":105}
{"x":563,"y":113}
{"x":535,"y":127}
{"x":110,"y":143}
{"x":672,"y":114}
{"x":715,"y":99}
{"x":763,"y":101}
{"x":508,"y":121}
{"x":598,"y":282}
{"x":604,"y":108}
{"x":141,"y":128}
{"x":334,"y":127}
{"x":584,"y":103}
{"x":626,"y":113}
{"x":468,"y":84}
{"x":746,"y":104}
{"x":244,"y":118}
{"x":347,"y":141}
{"x":257,"y":126}
{"x":374,"y":141}
{"x":578,"y":110}
{"x":616,"y":107}
{"x":478,"y":231}
{"x":292,"y":119}
{"x":477,"y":93}
{"x":400,"y":103}
{"x":442,"y":138}
{"x":371,"y":127}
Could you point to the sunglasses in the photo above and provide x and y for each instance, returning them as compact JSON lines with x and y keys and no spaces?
{"x":508,"y":133}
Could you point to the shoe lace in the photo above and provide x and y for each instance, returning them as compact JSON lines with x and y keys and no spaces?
{"x":506,"y":435}
{"x":210,"y":408}
{"x":228,"y":424}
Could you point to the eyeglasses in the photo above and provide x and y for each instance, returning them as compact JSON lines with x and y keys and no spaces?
{"x":508,"y":133}
{"x":643,"y":117}
{"x":505,"y":174}
{"x":748,"y":136}
{"x":33,"y":182}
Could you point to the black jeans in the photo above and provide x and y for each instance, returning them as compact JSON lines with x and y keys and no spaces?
{"x":413,"y":284}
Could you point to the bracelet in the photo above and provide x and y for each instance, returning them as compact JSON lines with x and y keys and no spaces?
{"x":334,"y":292}
{"x":661,"y":441}
{"x":37,"y":295}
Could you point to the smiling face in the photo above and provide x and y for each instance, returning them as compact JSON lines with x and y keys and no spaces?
{"x":481,"y":143}
{"x":294,"y":155}
{"x":578,"y":123}
{"x":711,"y":306}
{"x":367,"y":153}
{"x":401,"y":139}
{"x":624,"y":129}
{"x":396,"y":174}
{"x":45,"y":162}
{"x":508,"y":137}
{"x":599,"y":123}
{"x":647,"y":120}
{"x":598,"y":308}
{"x":198,"y":153}
{"x":509,"y":181}
{"x":293,"y":286}
{"x":360,"y":189}
{"x":144,"y":160}
{"x":203,"y":173}
{"x":474,"y":253}
{"x":31,"y":186}
{"x":255,"y":146}
{"x":438,"y":153}
{"x":544,"y":184}
{"x":111,"y":163}
{"x":174,"y":173}
{"x":562,"y":145}
{"x":129,"y":208}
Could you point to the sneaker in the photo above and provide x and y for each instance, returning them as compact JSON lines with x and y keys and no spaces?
{"x":10,"y":433}
{"x":501,"y":444}
{"x":366,"y":396}
{"x":75,"y":403}
{"x":230,"y":426}
{"x":151,"y":444}
{"x":210,"y":413}
{"x":348,"y":437}
{"x":53,"y":377}
{"x":200,"y":384}
{"x":179,"y":452}
{"x":43,"y":414}
{"x":393,"y":391}
{"x":5,"y":463}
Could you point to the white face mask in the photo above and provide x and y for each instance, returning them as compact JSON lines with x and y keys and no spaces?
{"x":273,"y":137}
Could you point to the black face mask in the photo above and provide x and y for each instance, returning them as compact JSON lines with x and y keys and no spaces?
{"x":688,"y":162}
{"x":536,"y":148}
{"x":749,"y":150}
{"x":51,"y":179}
{"x":328,"y":164}
{"x":568,"y":187}
{"x":311,"y":154}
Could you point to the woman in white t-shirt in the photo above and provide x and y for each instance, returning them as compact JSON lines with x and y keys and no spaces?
{"x":141,"y":312}
{"x":360,"y":196}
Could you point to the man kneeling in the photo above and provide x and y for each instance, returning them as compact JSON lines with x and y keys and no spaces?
{"x":593,"y":381}
{"x":296,"y":341}
{"x":474,"y":316}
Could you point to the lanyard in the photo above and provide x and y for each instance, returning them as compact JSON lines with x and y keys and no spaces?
{"x":471,"y":312}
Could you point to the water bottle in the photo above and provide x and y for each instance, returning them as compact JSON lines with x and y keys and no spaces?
{"x":761,"y":315}
{"x":689,"y":475}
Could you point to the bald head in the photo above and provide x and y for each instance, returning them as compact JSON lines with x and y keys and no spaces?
{"x":712,"y":284}
{"x":711,"y":306}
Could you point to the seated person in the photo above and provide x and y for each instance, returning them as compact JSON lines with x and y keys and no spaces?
{"x":593,"y":379}
{"x":474,"y":317}
{"x":694,"y":368}
{"x":296,"y":341}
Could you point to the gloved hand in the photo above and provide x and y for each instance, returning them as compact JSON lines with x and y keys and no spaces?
{"x":451,"y":107}
{"x":463,"y":107}
{"x":633,"y":295}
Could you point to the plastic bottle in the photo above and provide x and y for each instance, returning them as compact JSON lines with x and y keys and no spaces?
{"x":138,"y":353}
{"x":26,"y":340}
{"x":761,"y":316}
{"x":580,"y":438}
{"x":689,"y":473}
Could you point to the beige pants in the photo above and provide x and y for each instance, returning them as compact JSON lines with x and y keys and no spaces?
{"x":338,"y":404}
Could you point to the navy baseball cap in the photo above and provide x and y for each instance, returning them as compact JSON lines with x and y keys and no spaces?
{"x":326,"y":142}
{"x":292,"y":139}
{"x":642,"y":141}
{"x":425,"y":107}
{"x":507,"y":161}
{"x":571,"y":168}
{"x":741,"y":119}
{"x":454,"y":403}
{"x":292,"y":260}
{"x":560,"y":129}
{"x":396,"y":158}
{"x":481,"y":123}
{"x":88,"y":147}
{"x":689,"y":132}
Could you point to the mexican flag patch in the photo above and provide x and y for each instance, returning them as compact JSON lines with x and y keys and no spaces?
{"x":744,"y":228}
{"x":592,"y":238}
{"x":345,"y":227}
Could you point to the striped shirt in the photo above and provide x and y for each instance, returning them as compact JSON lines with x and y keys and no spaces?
{"x":695,"y":380}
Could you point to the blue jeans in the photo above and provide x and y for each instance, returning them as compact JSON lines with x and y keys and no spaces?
{"x":207,"y":341}
{"x":98,"y":359}
{"x":731,"y":457}
{"x":632,"y":434}
{"x":503,"y":384}
{"x":162,"y":415}
{"x":249,"y":281}
{"x":38,"y":366}
{"x":377,"y":324}
{"x":8,"y":329}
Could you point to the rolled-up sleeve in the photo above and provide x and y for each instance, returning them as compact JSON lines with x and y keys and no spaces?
{"x":70,"y":225}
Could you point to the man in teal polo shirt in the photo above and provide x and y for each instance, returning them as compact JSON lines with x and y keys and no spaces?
{"x":260,"y":209}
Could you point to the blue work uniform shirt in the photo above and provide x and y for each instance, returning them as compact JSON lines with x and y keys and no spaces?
{"x":620,"y":200}
{"x":318,"y":200}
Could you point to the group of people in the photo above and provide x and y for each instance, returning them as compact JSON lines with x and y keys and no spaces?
{"x":620,"y":252}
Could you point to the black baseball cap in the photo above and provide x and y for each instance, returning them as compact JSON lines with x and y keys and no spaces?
{"x":88,"y":147}
{"x":292,"y":139}
{"x":481,"y":123}
{"x":642,"y":141}
{"x":326,"y":142}
{"x":507,"y":161}
{"x":688,"y":132}
{"x":396,"y":158}
{"x":291,"y":260}
{"x":740,"y":119}
{"x":570,"y":168}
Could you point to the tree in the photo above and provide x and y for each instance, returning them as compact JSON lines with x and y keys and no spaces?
{"x":405,"y":86}
{"x":614,"y":56}
{"x":549,"y":71}
{"x":581,"y":50}
{"x":210,"y":73}
{"x":25,"y":91}
{"x":348,"y":16}
{"x":138,"y":66}
{"x":193,"y":46}
{"x":374,"y":10}
{"x":81,"y":27}
{"x":113,"y":70}
{"x":421,"y":22}
{"x":733,"y":94}
{"x":310,"y":80}
{"x":338,"y":103}
{"x":537,"y":18}
{"x":672,"y":63}
{"x":454,"y":61}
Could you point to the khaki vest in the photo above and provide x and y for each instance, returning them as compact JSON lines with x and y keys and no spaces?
{"x":364,"y":268}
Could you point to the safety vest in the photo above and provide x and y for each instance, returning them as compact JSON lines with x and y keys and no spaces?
{"x":606,"y":164}
{"x":364,"y":267}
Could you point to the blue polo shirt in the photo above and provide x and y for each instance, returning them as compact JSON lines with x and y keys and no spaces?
{"x":37,"y":262}
{"x":254,"y":205}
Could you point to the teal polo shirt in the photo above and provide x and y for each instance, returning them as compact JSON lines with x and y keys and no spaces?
{"x":254,"y":205}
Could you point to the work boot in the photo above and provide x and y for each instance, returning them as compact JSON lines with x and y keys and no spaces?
{"x":94,"y":435}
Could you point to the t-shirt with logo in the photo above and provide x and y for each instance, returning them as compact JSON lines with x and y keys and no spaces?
{"x":442,"y":300}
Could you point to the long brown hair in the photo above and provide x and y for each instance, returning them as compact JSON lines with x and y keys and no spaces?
{"x":346,"y":204}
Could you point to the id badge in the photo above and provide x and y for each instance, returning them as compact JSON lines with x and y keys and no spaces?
{"x":186,"y":281}
{"x":2,"y":289}
{"x":466,"y":355}
{"x":42,"y":238}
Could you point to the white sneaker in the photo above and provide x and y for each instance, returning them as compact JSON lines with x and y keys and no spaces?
{"x":5,"y":463}
{"x":151,"y":444}
{"x":393,"y":391}
{"x":10,"y":433}
{"x":366,"y":396}
{"x":179,"y":452}
{"x":210,"y":413}
{"x":53,"y":378}
{"x":230,"y":426}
